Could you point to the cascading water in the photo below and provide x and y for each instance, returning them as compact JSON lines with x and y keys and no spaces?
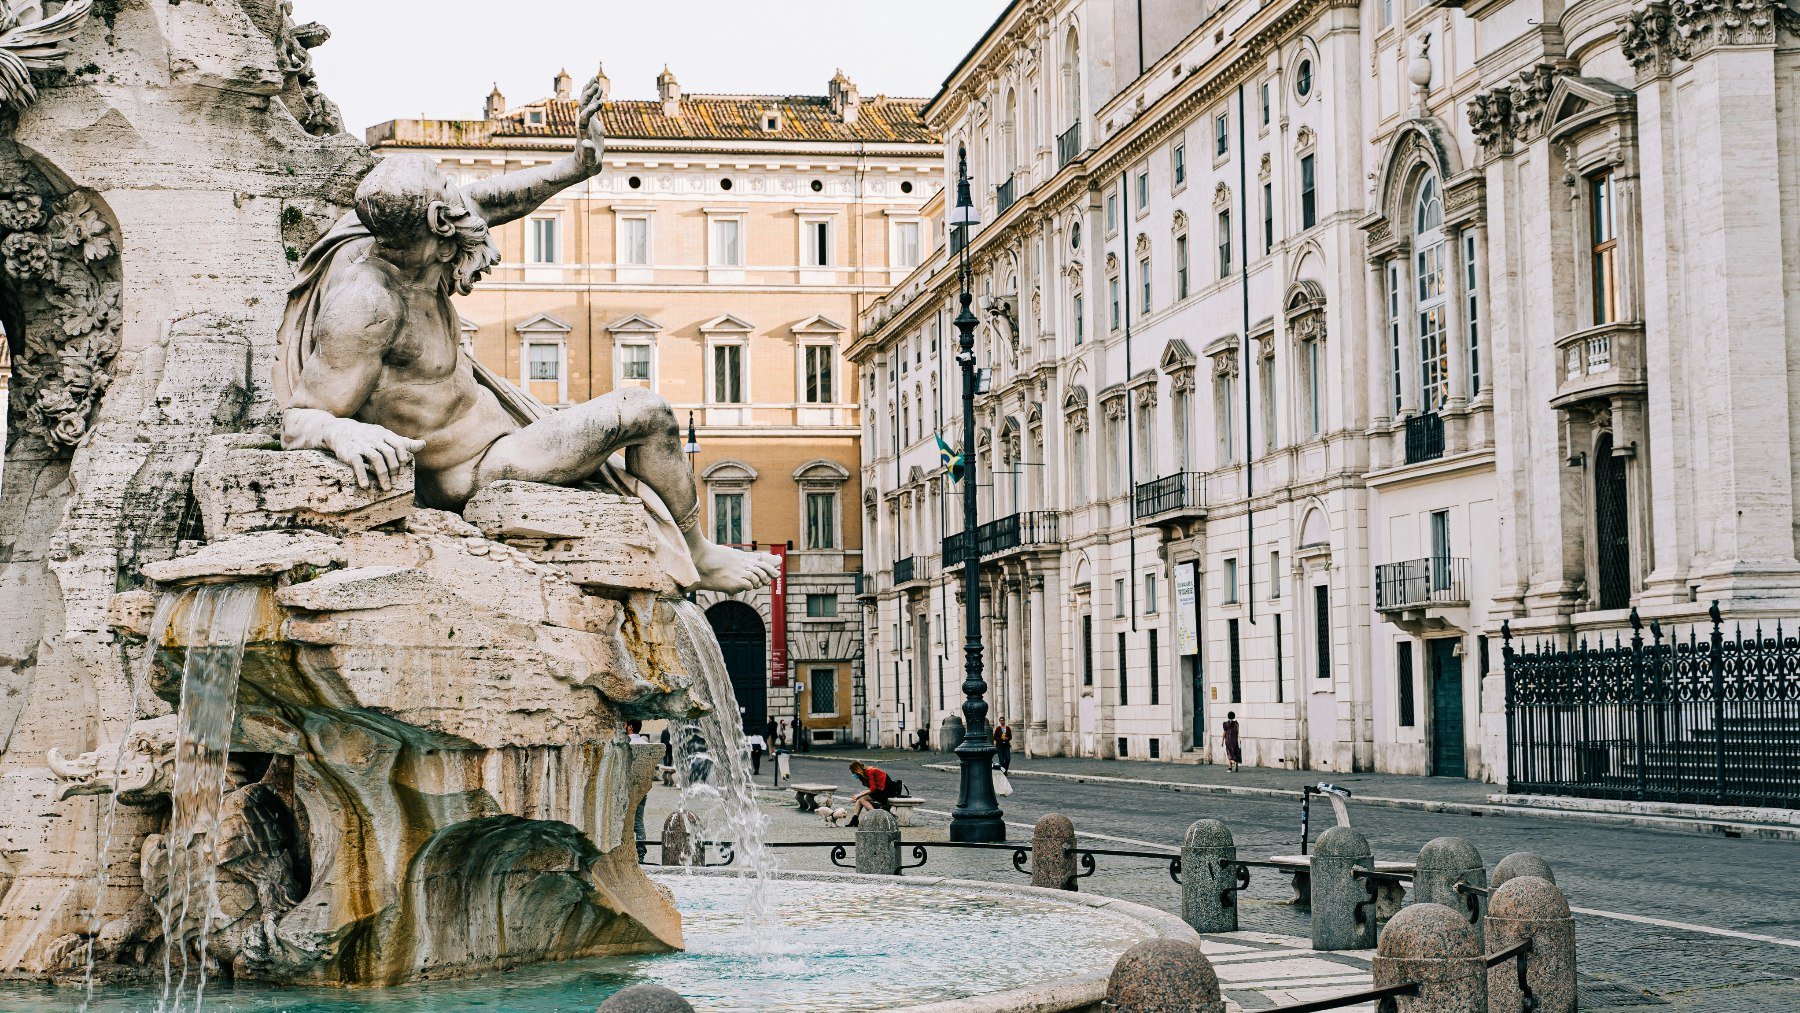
{"x":159,"y":625}
{"x":712,"y":768}
{"x":218,"y":624}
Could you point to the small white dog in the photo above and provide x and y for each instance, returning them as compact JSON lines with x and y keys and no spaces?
{"x":834,"y":817}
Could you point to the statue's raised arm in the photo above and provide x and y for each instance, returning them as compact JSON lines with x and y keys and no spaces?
{"x":513,"y":195}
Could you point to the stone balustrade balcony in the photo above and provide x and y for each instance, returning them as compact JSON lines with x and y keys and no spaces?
{"x":1599,"y":362}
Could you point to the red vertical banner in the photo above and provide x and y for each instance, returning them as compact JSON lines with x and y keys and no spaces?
{"x":778,"y":655}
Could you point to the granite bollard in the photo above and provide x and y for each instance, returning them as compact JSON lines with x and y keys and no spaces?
{"x":878,"y":844}
{"x":1520,"y":863}
{"x":1343,"y":904}
{"x":1531,"y":907}
{"x":1435,"y":946}
{"x":683,"y":839}
{"x":1209,"y":877}
{"x":1163,"y":976}
{"x":1443,"y":863}
{"x":646,"y":999}
{"x":1053,"y":853}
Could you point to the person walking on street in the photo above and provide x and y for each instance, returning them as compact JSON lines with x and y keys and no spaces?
{"x":1003,"y":745}
{"x":634,"y":731}
{"x":802,"y":741}
{"x":757,"y":746}
{"x":1234,"y":753}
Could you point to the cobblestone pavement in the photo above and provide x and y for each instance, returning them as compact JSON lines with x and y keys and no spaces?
{"x":1735,"y":886}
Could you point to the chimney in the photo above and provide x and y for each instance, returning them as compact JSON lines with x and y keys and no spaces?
{"x":845,"y":102}
{"x":496,"y":104}
{"x":669,"y":91}
{"x":604,"y":82}
{"x":563,"y":85}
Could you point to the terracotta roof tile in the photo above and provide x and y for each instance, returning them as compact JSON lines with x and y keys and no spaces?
{"x":733,"y":118}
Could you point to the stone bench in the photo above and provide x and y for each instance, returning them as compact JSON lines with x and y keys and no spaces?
{"x":903,"y":809}
{"x":811,"y":796}
{"x":1388,"y":895}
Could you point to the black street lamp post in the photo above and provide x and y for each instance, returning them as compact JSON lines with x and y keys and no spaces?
{"x":977,"y":816}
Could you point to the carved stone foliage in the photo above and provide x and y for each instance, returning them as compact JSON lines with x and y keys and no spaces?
{"x":60,"y":261}
{"x":1514,"y":111}
{"x":318,"y":114}
{"x":1647,"y":39}
{"x":1490,"y":117}
{"x":1225,"y":363}
{"x":30,"y":39}
{"x":1659,"y":32}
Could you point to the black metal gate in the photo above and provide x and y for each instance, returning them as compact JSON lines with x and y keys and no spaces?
{"x":1711,"y":719}
{"x":1447,"y":732}
{"x":1612,"y":526}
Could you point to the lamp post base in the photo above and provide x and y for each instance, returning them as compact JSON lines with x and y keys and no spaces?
{"x":977,"y":818}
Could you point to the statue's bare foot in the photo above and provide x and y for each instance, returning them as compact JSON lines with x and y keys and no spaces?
{"x":730,"y":570}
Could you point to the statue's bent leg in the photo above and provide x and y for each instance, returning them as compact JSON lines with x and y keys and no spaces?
{"x":572,"y":444}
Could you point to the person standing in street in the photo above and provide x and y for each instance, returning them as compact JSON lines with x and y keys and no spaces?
{"x":757,"y":746}
{"x":634,"y":731}
{"x":1003,"y":745}
{"x":802,"y":742}
{"x":1234,"y":753}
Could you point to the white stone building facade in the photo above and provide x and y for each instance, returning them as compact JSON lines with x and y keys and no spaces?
{"x":1377,"y":327}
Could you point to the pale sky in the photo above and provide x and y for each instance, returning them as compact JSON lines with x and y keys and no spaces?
{"x":390,"y":59}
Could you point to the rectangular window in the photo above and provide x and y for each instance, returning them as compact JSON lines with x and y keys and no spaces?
{"x":1087,"y":650}
{"x":1605,"y":247}
{"x":1268,"y":217}
{"x":545,"y":362}
{"x":1280,"y":689}
{"x":818,"y":244}
{"x":1080,"y":320}
{"x":727,"y":242}
{"x":1112,"y":288}
{"x":1322,"y":620}
{"x":634,"y":362}
{"x":1393,"y":286}
{"x":1143,"y":189}
{"x":1312,"y":363}
{"x":634,"y":241}
{"x":1149,"y":594}
{"x":542,"y":249}
{"x":1404,"y":674}
{"x":1144,"y":285}
{"x":1440,"y":550}
{"x":1275,"y":576}
{"x":818,"y":374}
{"x":1181,"y":267}
{"x":1221,"y":135}
{"x":1265,"y":378}
{"x":1119,"y":598}
{"x":1155,"y":680}
{"x":1124,"y":676}
{"x":1224,"y":244}
{"x":1224,"y":419}
{"x":821,"y":520}
{"x":1387,"y":13}
{"x":821,"y":606}
{"x":1236,"y":659}
{"x":822,"y":684}
{"x":1179,"y":165}
{"x":907,"y":252}
{"x":728,"y":518}
{"x":1472,"y":297}
{"x":728,"y":374}
{"x":1263,"y":94}
{"x":1112,"y":213}
{"x":1309,"y":206}
{"x":1231,"y":583}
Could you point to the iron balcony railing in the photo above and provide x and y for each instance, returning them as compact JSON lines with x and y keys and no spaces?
{"x":1004,"y":195}
{"x":1182,"y":492}
{"x":1033,"y":527}
{"x":1434,"y":580}
{"x":1068,"y":145}
{"x":903,"y":570}
{"x":1424,"y":438}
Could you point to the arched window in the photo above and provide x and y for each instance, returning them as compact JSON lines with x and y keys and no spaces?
{"x":1431,"y":276}
{"x":1009,"y":135}
{"x":1071,"y":77}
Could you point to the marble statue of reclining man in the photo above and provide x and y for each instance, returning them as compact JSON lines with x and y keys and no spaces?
{"x":372,"y":369}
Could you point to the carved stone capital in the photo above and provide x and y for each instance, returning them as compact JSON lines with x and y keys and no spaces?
{"x":1648,"y":40}
{"x":1491,"y":119}
{"x":1702,"y":25}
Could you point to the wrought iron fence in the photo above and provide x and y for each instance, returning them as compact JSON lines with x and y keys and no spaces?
{"x":1033,"y":527}
{"x":1004,"y":195}
{"x":1708,"y":718}
{"x":1424,"y":437}
{"x":1184,"y":490}
{"x":1068,"y":145}
{"x":1434,"y":580}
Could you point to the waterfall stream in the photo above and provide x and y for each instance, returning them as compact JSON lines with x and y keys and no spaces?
{"x":712,"y":768}
{"x":218,"y":625}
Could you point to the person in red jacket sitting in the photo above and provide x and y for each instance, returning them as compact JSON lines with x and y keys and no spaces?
{"x":878,"y":788}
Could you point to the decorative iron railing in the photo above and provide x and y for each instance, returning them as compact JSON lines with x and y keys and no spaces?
{"x":1033,"y":527}
{"x":1434,"y":580}
{"x":1068,"y":144}
{"x":1424,"y":437}
{"x":1004,"y":196}
{"x":1182,"y":491}
{"x":903,"y":570}
{"x":1713,"y":719}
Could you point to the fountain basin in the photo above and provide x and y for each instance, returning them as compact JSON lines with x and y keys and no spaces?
{"x":846,"y":943}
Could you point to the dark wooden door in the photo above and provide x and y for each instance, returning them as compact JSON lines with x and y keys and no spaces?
{"x":1612,"y":527}
{"x":746,"y":648}
{"x":1446,"y":709}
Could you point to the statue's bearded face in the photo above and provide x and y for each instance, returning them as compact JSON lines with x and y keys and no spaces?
{"x":417,"y":214}
{"x":473,"y":250}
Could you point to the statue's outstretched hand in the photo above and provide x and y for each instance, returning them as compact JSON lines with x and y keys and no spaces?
{"x":370,"y":451}
{"x":589,"y":129}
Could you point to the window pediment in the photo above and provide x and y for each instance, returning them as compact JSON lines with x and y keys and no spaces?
{"x":1177,"y":356}
{"x":1579,"y":103}
{"x":818,"y":323}
{"x":543,"y":323}
{"x":634,"y":324}
{"x":822,"y":470}
{"x":728,"y":471}
{"x":726,"y":323}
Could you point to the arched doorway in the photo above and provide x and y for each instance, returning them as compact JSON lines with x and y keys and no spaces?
{"x":745,"y":645}
{"x":1612,"y":526}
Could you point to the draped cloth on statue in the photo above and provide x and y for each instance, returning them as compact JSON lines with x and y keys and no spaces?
{"x":298,"y":340}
